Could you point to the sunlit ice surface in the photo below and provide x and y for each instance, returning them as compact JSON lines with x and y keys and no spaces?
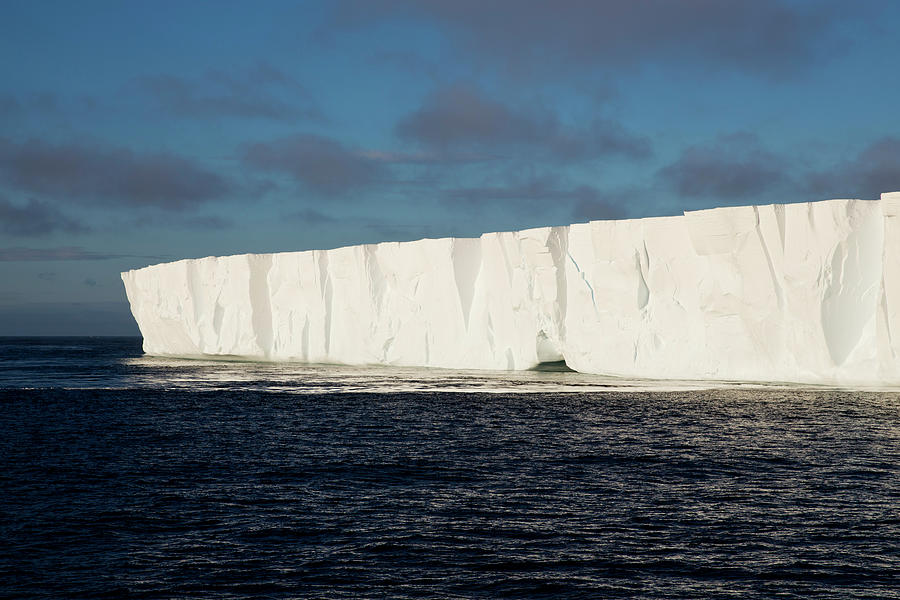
{"x":802,"y":292}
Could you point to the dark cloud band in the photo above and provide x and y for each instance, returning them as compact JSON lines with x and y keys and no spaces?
{"x":35,"y":218}
{"x":108,"y":175}
{"x":463,"y":117}
{"x":774,"y":39}
{"x":322,"y":164}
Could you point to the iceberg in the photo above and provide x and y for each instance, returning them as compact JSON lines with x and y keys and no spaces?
{"x":806,"y":292}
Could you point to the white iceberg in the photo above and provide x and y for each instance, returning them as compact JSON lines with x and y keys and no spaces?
{"x":804,"y":292}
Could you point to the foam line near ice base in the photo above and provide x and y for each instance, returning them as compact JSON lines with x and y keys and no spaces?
{"x":805,"y":292}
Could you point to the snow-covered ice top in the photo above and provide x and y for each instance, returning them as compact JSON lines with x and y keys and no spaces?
{"x":805,"y":292}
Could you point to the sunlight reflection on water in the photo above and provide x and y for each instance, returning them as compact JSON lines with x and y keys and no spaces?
{"x":305,"y":378}
{"x":119,"y":363}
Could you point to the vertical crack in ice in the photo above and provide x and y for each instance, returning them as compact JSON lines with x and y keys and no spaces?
{"x":377,"y":282}
{"x":508,"y":268}
{"x":218,"y":315}
{"x":780,"y":220}
{"x":490,"y":333}
{"x":304,"y":339}
{"x":194,"y":323}
{"x":465,"y":255}
{"x":260,"y":266}
{"x":773,"y":275}
{"x":886,"y":316}
{"x":584,"y":279}
{"x":888,"y":221}
{"x":643,"y":291}
{"x":325,"y":287}
{"x":558,"y":244}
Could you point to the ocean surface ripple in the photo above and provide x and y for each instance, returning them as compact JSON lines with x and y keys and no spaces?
{"x":129,"y":476}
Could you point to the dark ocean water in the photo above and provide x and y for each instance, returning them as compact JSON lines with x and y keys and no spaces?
{"x":128,"y":476}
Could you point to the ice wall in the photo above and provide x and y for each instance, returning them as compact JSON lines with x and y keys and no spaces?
{"x":800,"y":292}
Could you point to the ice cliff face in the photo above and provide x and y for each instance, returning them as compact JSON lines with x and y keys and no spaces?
{"x":800,"y":292}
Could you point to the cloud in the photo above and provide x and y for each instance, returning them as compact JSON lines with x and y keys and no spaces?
{"x":46,"y":102}
{"x":9,"y":106}
{"x":398,"y":231}
{"x":602,"y":207}
{"x":310,"y":216}
{"x":602,"y":137}
{"x":774,"y":39}
{"x":108,"y":175}
{"x":210,"y":222}
{"x":441,"y":157}
{"x":35,"y":218}
{"x":259,"y":92}
{"x":536,"y":194}
{"x":463,"y":117}
{"x":385,"y":229}
{"x":874,"y":170}
{"x":407,"y":61}
{"x":322,"y":164}
{"x":40,"y":102}
{"x":42,"y":105}
{"x":734,"y":166}
{"x":19,"y":253}
{"x":200,"y":222}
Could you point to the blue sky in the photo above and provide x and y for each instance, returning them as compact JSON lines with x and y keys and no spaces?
{"x":135,"y":133}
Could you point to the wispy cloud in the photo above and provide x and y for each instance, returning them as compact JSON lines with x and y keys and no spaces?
{"x":385,"y":228}
{"x":199,"y":222}
{"x":605,"y":205}
{"x":731,"y":167}
{"x":261,"y":91}
{"x":874,"y":170}
{"x":9,"y":106}
{"x":109,"y":175}
{"x":40,"y":107}
{"x":773,"y":39}
{"x":463,"y":117}
{"x":35,"y":218}
{"x":19,"y":253}
{"x":310,"y":216}
{"x":41,"y":102}
{"x":322,"y":164}
{"x":537,"y":195}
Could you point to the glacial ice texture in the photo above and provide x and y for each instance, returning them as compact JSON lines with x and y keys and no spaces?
{"x":805,"y":292}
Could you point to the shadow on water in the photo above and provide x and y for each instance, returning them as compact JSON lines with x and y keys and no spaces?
{"x":558,"y":366}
